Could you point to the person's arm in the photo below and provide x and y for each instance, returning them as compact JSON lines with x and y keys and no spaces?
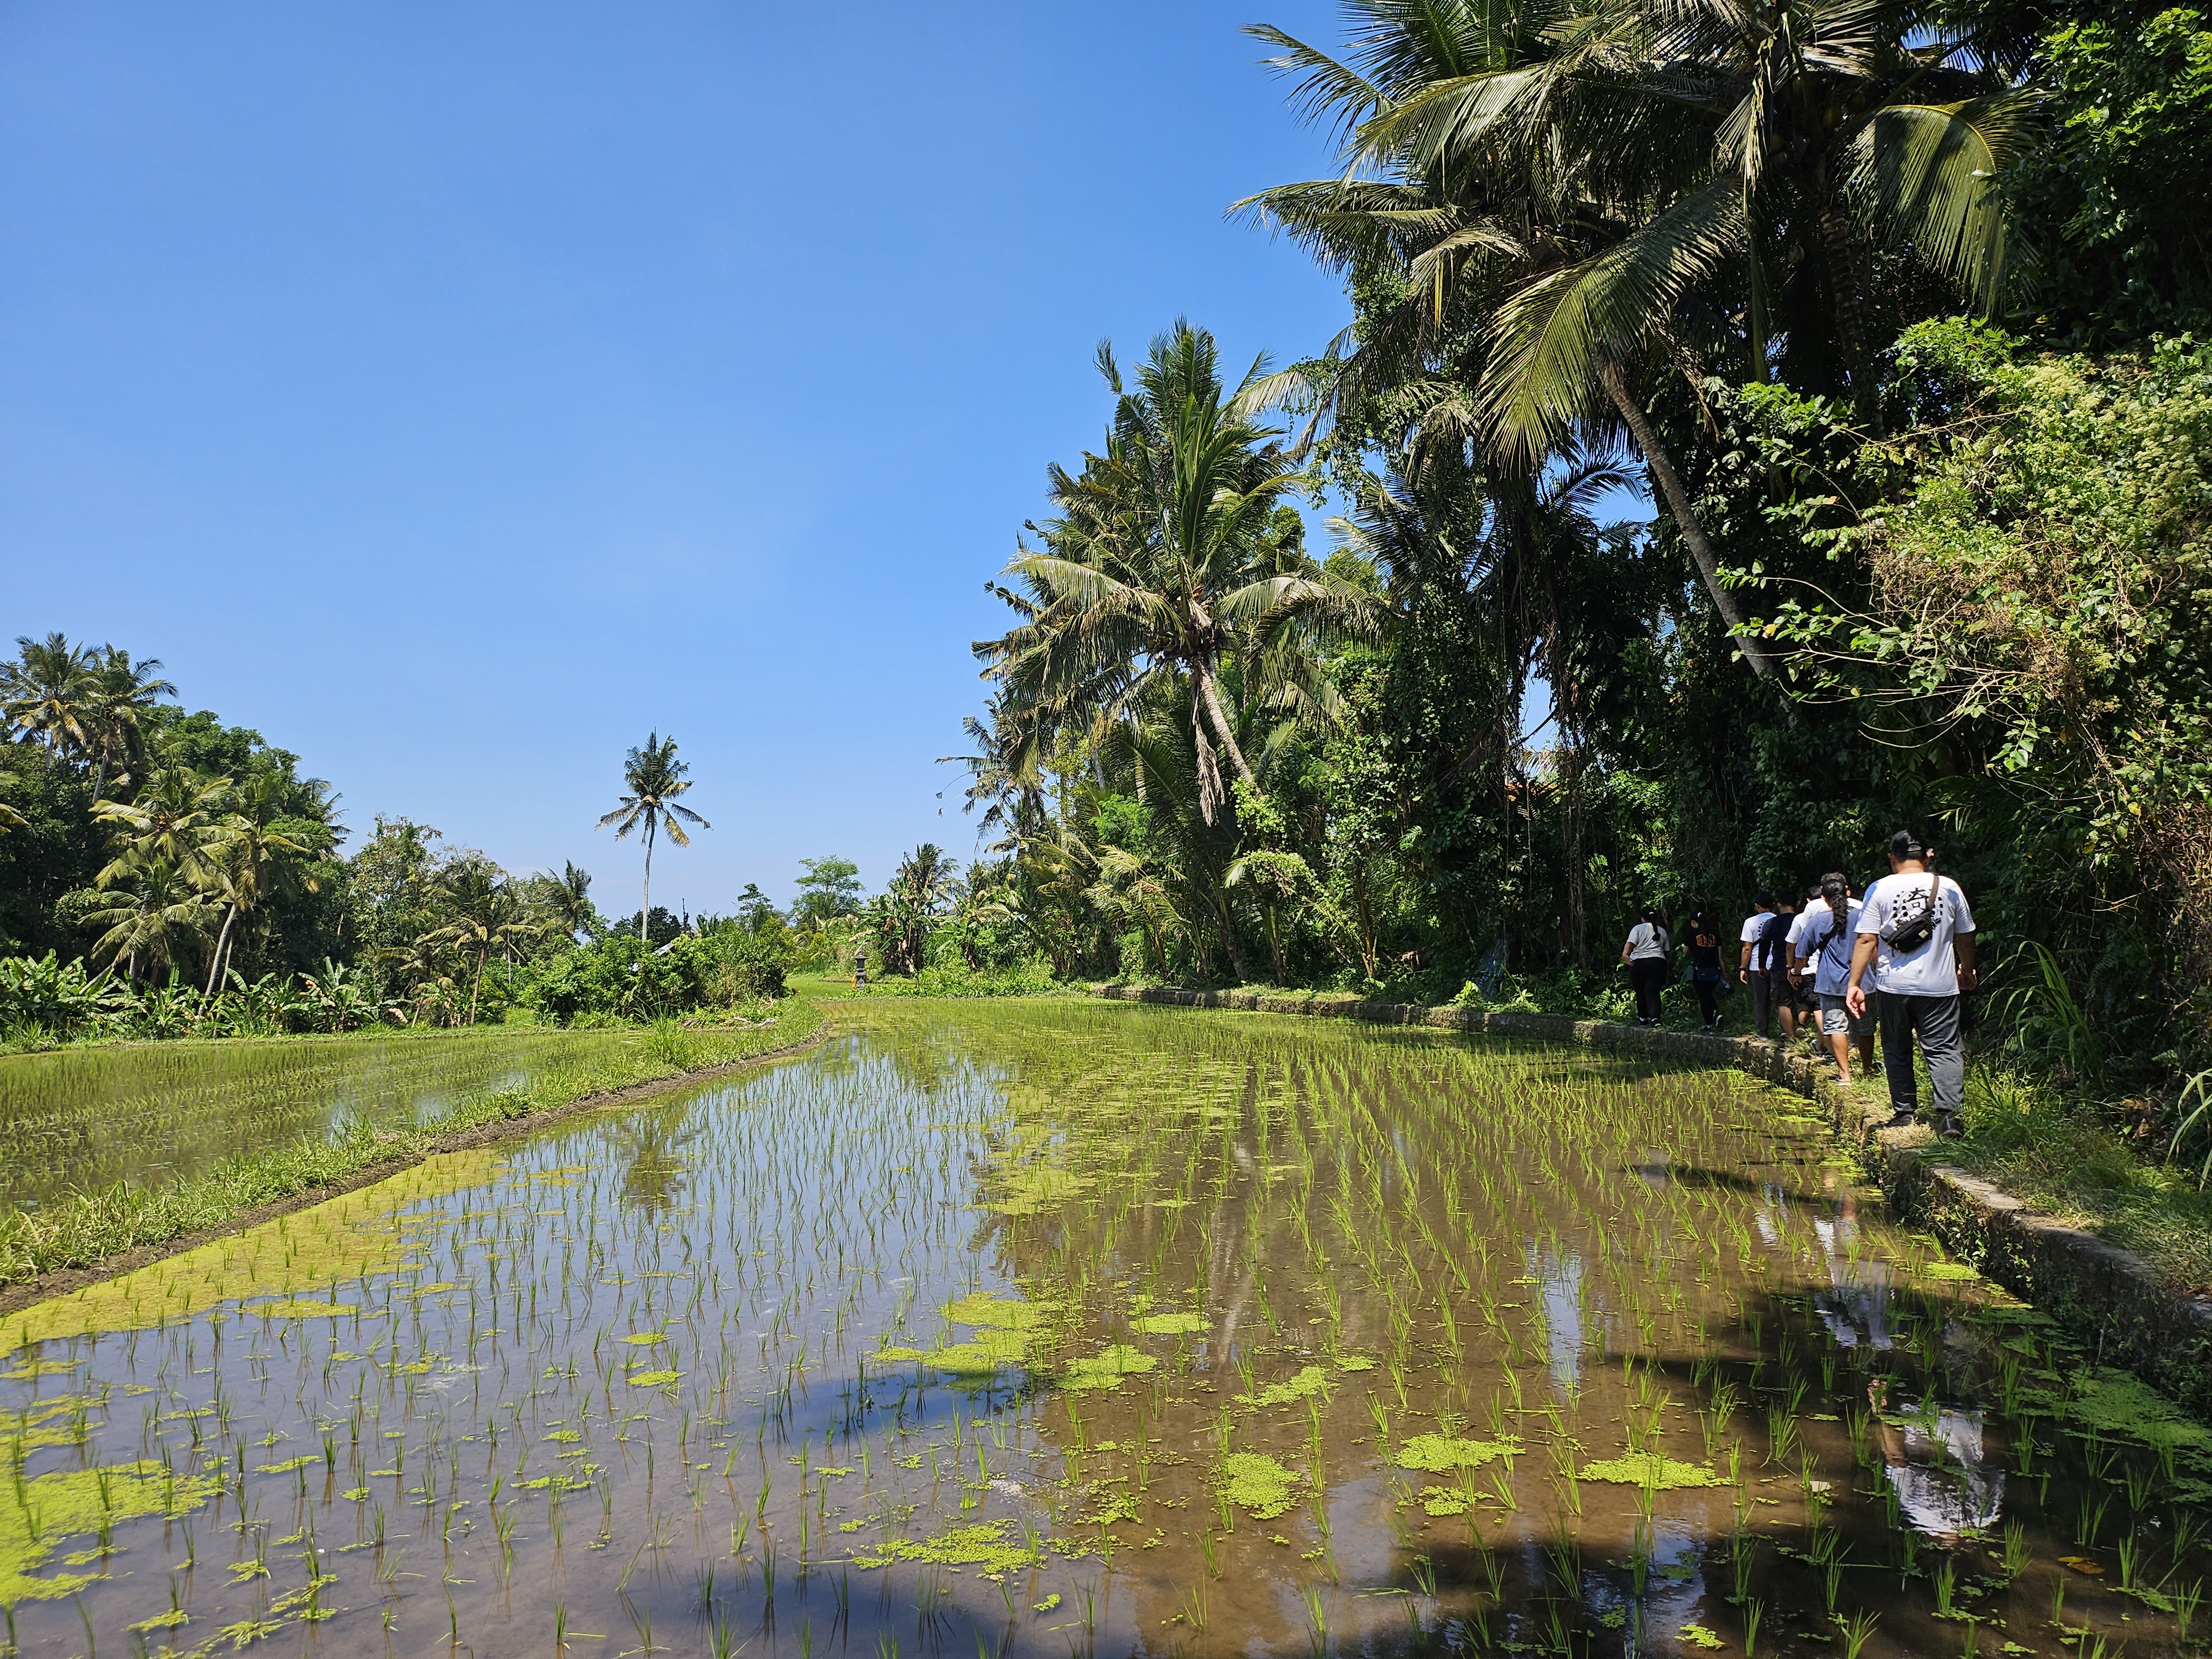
{"x":1962,"y":952}
{"x":1862,"y":958}
{"x":1743,"y":960}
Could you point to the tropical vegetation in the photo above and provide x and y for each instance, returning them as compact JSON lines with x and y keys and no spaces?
{"x":1894,"y":314}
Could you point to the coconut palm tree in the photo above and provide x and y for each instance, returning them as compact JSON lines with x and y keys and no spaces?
{"x":1581,"y":192}
{"x":488,"y":916}
{"x":253,"y":851}
{"x":1174,"y":554}
{"x":152,"y":920}
{"x":176,"y":821}
{"x":126,"y":691}
{"x":655,"y":778}
{"x":568,"y":897}
{"x":51,"y":692}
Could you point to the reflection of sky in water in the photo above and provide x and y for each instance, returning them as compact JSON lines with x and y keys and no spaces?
{"x":1944,"y":1484}
{"x":1855,"y":1307}
{"x":1772,"y":1216}
{"x":1560,"y":1274}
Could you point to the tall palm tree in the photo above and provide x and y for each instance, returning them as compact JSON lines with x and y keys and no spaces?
{"x":254,"y":854}
{"x":568,"y":897}
{"x":488,"y":916}
{"x":1168,"y":558}
{"x":654,"y":778}
{"x":177,"y":820}
{"x":126,"y":691}
{"x":85,"y":703}
{"x":148,"y":921}
{"x":51,"y":692}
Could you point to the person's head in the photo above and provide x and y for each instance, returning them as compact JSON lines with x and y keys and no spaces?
{"x":1905,"y":848}
{"x":1813,"y":892}
{"x":1835,"y":890}
{"x":1651,"y":915}
{"x":1788,"y":906}
{"x":1764,"y":902}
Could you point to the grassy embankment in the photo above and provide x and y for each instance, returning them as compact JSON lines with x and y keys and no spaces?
{"x":91,"y":1226}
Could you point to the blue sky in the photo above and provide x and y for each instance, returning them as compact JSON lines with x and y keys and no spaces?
{"x":455,"y":393}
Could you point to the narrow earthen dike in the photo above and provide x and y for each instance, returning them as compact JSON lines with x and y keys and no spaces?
{"x":2109,"y":1297}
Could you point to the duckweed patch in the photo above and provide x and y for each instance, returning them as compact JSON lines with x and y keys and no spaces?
{"x":354,"y":1235}
{"x":1651,"y":1472}
{"x":989,"y":1545}
{"x":1106,"y":1368}
{"x":1437,"y":1454}
{"x":1257,"y":1484}
{"x":50,"y":1510}
{"x":1170,"y":1324}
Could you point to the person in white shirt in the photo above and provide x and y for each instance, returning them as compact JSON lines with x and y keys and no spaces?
{"x":1765,"y":966}
{"x":1917,"y":979}
{"x":1645,"y":953}
{"x":1829,"y":943}
{"x":1809,"y":913}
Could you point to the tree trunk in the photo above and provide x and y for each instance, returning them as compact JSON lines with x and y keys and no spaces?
{"x":1846,"y":297}
{"x":214,"y":956}
{"x":1685,"y":520}
{"x":477,"y":987}
{"x":1221,"y":724}
{"x":645,"y":898}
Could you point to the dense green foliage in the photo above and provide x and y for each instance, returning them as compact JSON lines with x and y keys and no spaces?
{"x":1907,"y":570}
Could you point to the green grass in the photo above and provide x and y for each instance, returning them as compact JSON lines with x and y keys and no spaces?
{"x":2077,"y":1160}
{"x":88,"y":1227}
{"x":949,"y":981}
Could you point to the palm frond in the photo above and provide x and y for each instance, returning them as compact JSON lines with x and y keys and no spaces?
{"x":1551,"y":337}
{"x":1928,"y":175}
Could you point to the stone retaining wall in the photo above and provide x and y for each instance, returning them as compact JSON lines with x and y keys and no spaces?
{"x":2108,"y":1298}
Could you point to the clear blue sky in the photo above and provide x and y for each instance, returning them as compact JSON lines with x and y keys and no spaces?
{"x":454,"y":394}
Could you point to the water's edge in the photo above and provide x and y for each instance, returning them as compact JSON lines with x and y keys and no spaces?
{"x":27,"y":1292}
{"x":2106,"y":1296}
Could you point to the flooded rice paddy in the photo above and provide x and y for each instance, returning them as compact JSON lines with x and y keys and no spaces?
{"x":81,"y":1118}
{"x":1075,"y":1330}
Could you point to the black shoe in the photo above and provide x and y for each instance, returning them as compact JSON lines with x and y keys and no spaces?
{"x":1949,"y":1127}
{"x":1903,"y":1120}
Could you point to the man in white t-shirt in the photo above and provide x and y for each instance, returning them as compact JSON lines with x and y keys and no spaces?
{"x":1765,"y":967}
{"x":1829,"y":943}
{"x":1917,"y":981}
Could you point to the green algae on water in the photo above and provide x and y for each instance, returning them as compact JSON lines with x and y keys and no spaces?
{"x":1311,"y":1380}
{"x":1170,"y":1324}
{"x":74,"y":1503}
{"x":1257,"y":1484}
{"x":1106,"y":1369}
{"x":352,"y":1236}
{"x":1651,"y":1472}
{"x":1436,"y":1453}
{"x":986,"y":1545}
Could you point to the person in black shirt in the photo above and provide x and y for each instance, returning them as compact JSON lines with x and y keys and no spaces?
{"x":1707,"y":972}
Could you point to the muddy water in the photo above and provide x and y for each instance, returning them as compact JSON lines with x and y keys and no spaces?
{"x":1068,"y":1329}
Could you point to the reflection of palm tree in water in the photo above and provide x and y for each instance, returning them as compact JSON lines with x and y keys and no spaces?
{"x":650,"y":1143}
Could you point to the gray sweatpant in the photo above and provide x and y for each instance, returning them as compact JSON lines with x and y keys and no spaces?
{"x":1934,"y":1022}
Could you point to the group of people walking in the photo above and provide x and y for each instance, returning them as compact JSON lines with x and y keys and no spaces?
{"x":1844,"y":967}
